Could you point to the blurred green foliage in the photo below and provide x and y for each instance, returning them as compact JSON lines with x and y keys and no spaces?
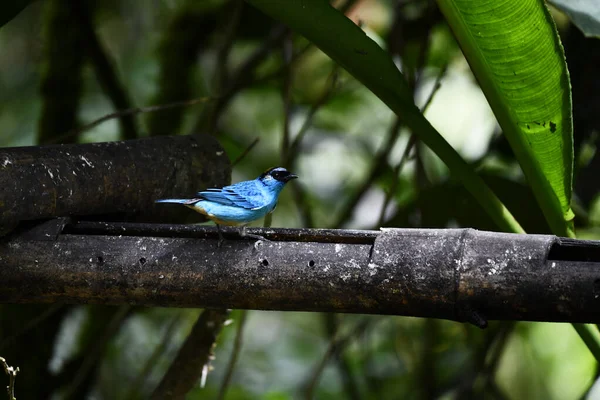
{"x":230,"y":51}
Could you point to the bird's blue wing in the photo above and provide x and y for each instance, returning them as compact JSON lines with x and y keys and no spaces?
{"x":243,"y":194}
{"x":227,"y":198}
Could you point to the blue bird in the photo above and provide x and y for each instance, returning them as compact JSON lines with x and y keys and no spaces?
{"x":240,"y":203}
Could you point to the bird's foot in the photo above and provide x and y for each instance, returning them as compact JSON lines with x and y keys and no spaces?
{"x":256,"y":237}
{"x":259,"y":239}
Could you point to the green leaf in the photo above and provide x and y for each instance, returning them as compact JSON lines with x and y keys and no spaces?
{"x":350,"y":47}
{"x":589,"y":334}
{"x":515,"y":53}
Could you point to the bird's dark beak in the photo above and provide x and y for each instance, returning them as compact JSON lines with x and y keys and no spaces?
{"x":290,"y":177}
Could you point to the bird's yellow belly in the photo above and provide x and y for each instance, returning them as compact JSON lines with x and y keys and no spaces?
{"x":220,"y":221}
{"x":214,"y":218}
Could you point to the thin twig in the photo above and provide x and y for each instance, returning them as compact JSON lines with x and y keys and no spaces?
{"x":379,"y":163}
{"x":289,"y":151}
{"x":300,"y":197}
{"x":321,"y":101}
{"x":409,"y":146}
{"x":12,"y":375}
{"x":289,"y":158}
{"x":235,"y":353}
{"x":417,"y":74}
{"x":245,"y":152}
{"x":131,"y":111}
{"x":436,"y":86}
{"x":300,"y":194}
{"x":377,"y":167}
{"x":277,"y":74}
{"x":389,"y":194}
{"x":242,"y":77}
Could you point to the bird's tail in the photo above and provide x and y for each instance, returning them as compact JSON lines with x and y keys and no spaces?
{"x":178,"y":201}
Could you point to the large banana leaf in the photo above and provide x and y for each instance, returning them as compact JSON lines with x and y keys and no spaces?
{"x":348,"y":45}
{"x":514,"y":50}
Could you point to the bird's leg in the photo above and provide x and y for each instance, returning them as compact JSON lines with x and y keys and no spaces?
{"x":221,"y":238}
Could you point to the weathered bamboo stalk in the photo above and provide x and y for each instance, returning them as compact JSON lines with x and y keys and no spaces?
{"x":459,"y":274}
{"x":106,"y":178}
